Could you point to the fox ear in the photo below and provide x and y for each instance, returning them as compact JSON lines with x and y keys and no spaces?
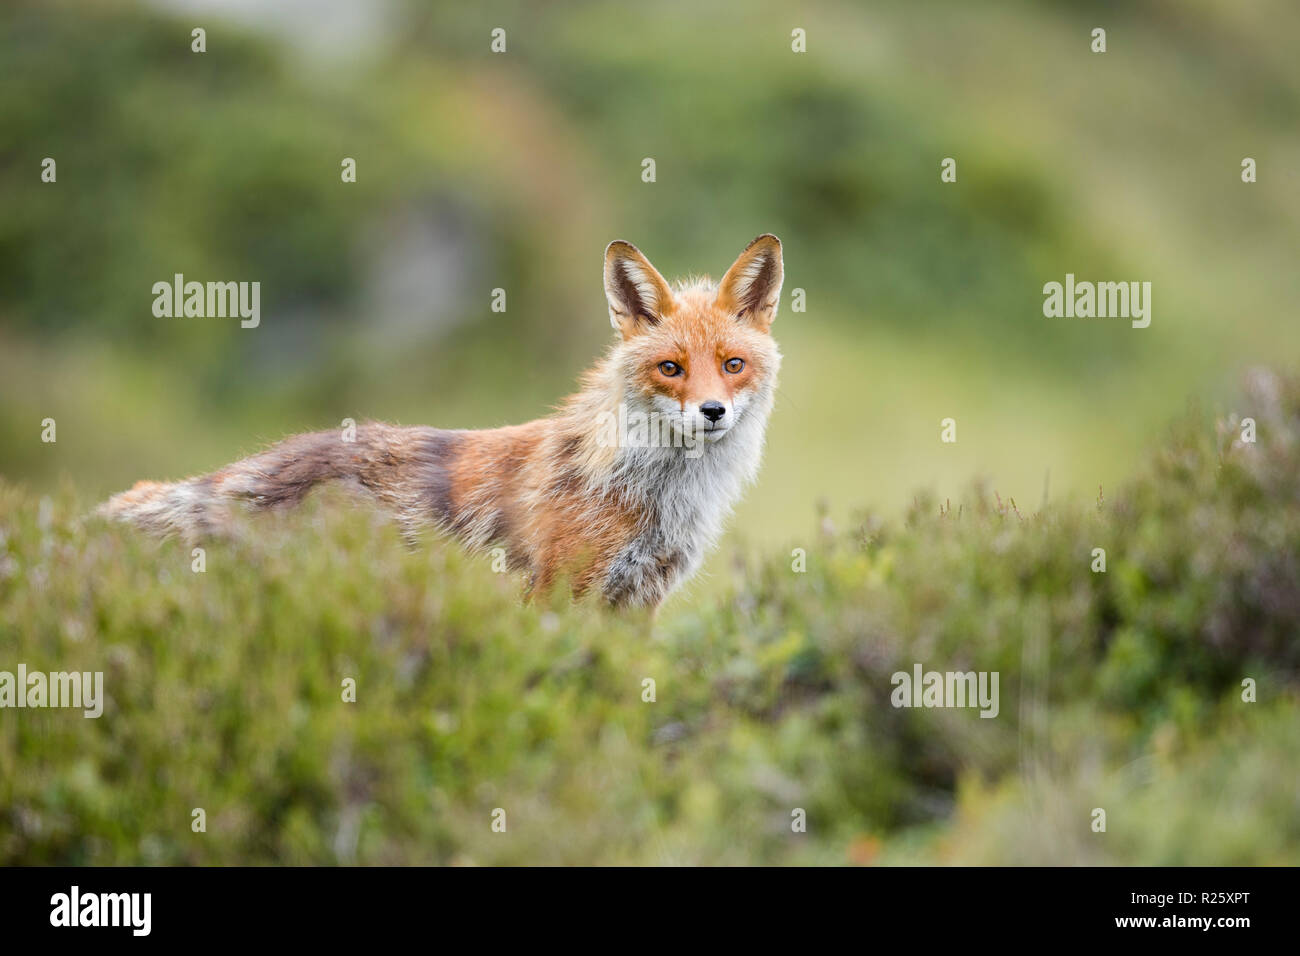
{"x":751,"y":289}
{"x":638,"y":295}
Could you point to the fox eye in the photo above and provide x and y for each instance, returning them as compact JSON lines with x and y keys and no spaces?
{"x":734,"y":365}
{"x":670,"y":368}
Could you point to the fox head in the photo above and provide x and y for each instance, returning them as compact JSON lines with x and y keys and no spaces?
{"x":700,"y":356}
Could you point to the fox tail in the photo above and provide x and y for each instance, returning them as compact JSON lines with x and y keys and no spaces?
{"x":396,"y":465}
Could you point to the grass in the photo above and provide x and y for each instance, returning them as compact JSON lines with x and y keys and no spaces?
{"x":1120,"y":690}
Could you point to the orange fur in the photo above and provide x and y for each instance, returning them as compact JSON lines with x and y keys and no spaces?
{"x":631,"y":520}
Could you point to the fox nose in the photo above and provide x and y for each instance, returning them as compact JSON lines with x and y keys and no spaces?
{"x":713,"y":410}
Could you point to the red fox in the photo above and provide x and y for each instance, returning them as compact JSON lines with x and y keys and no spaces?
{"x":578,"y":495}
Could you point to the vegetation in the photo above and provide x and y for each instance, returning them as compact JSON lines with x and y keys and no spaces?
{"x":479,"y":171}
{"x":1120,"y":690}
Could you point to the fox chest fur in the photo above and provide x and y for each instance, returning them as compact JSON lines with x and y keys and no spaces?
{"x":683,"y":503}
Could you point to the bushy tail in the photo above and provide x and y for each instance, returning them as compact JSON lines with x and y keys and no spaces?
{"x":398,"y":466}
{"x":183,"y":507}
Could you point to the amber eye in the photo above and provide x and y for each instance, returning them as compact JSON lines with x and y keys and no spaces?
{"x":734,"y":365}
{"x":670,"y":368}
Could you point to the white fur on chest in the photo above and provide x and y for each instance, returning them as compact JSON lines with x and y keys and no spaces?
{"x":695,"y":496}
{"x":688,"y":499}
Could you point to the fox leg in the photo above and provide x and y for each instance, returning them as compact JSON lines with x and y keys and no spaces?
{"x":642,"y":574}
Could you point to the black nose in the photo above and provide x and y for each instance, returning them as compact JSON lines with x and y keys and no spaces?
{"x":713,"y":410}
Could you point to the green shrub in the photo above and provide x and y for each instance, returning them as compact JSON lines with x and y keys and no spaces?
{"x":1119,"y":690}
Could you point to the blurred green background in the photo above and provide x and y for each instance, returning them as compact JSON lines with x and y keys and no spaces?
{"x":479,"y":170}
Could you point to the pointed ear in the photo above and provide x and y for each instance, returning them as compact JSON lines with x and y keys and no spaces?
{"x":638,"y":295}
{"x":751,"y":289}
